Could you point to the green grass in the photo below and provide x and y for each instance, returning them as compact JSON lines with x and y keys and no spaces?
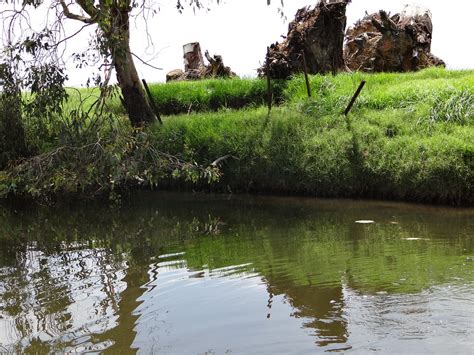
{"x":410,"y":137}
{"x":84,"y":98}
{"x":382,"y":90}
{"x":212,"y":94}
{"x":190,"y":96}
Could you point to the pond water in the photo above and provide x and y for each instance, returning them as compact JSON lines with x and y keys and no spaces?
{"x":204,"y":274}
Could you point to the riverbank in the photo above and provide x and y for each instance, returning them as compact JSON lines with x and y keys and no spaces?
{"x":409,"y":137}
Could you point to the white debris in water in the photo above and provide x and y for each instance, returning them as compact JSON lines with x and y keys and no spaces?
{"x":365,"y":221}
{"x":415,"y":238}
{"x":166,"y":256}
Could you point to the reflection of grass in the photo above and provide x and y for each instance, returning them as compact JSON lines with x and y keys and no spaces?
{"x":315,"y":247}
{"x":379,"y":261}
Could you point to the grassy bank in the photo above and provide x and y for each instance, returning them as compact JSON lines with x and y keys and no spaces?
{"x":409,"y":137}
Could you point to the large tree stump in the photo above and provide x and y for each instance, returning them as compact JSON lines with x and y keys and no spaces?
{"x":398,"y":43}
{"x":319,"y":34}
{"x":194,"y":67}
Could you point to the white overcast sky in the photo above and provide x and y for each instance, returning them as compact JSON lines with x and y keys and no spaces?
{"x":240,"y":31}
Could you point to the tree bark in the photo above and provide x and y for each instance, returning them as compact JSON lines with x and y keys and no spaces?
{"x":139,"y":109}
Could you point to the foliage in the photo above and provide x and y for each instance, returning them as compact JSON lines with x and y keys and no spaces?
{"x":88,"y":151}
{"x":117,"y":160}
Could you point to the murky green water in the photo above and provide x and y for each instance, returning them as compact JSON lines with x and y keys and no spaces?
{"x":182,"y":274}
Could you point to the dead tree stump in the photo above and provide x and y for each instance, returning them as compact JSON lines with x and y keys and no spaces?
{"x":319,"y":32}
{"x":192,"y":55}
{"x":398,"y":43}
{"x":194,"y":67}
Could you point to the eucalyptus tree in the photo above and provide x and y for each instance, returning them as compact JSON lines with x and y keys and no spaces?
{"x":111,"y":19}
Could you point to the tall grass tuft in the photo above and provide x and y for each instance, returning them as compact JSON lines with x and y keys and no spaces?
{"x":456,"y":106}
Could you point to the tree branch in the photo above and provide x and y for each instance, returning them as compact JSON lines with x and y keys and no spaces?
{"x":88,"y":7}
{"x":144,"y":62}
{"x":73,"y":16}
{"x":71,"y":36}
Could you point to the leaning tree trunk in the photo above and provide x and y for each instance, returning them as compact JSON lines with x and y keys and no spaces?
{"x":139,"y":109}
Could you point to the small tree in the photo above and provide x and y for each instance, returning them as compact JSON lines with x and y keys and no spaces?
{"x":112,"y":21}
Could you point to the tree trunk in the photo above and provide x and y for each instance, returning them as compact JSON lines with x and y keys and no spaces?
{"x":139,"y":109}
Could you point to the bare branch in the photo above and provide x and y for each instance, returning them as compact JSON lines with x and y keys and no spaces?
{"x":141,"y":60}
{"x":71,"y":36}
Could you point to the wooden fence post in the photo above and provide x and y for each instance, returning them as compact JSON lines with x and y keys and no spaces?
{"x":305,"y":69}
{"x":354,"y":98}
{"x":269,"y":83}
{"x":152,"y":102}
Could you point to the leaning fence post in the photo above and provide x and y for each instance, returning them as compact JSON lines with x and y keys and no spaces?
{"x":354,"y":98}
{"x":269,"y":83}
{"x":305,"y":69}
{"x":152,"y":102}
